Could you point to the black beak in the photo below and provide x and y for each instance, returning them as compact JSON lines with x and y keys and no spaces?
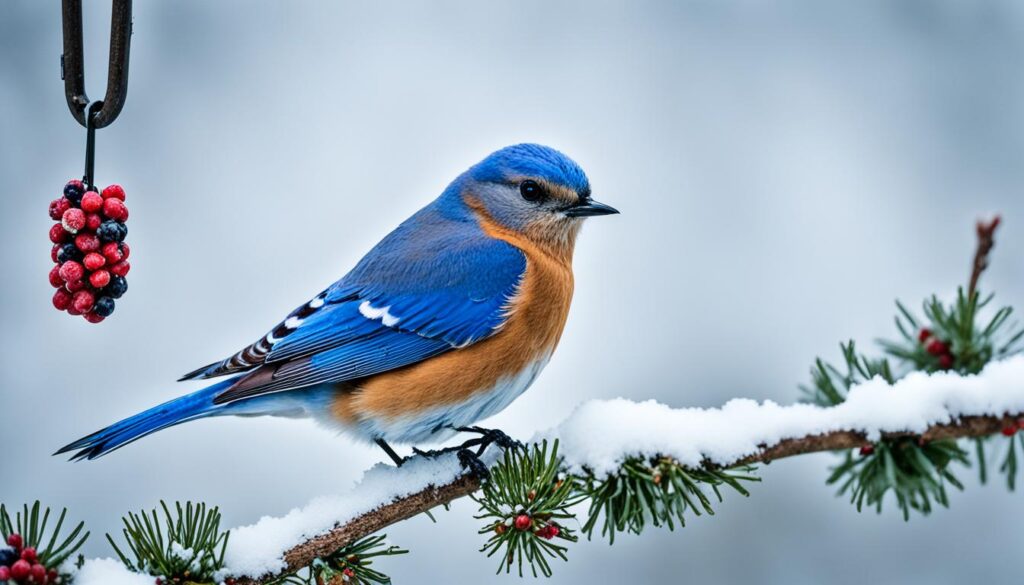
{"x":589,"y":207}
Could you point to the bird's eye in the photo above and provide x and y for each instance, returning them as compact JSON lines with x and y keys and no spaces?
{"x":531,"y":191}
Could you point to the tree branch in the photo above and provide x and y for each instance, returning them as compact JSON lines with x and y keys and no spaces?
{"x":303,"y":554}
{"x":986,"y":240}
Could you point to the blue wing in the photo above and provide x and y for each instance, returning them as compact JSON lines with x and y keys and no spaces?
{"x":432,"y":285}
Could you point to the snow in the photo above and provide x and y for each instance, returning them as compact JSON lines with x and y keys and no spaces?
{"x":109,"y":572}
{"x":600,"y":434}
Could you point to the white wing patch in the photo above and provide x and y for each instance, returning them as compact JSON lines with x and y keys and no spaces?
{"x":372,"y":313}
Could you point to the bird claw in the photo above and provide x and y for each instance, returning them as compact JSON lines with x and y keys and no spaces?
{"x":471,"y":462}
{"x":489,"y":437}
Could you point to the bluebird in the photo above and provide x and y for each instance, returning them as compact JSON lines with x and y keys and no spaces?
{"x":443,"y":323}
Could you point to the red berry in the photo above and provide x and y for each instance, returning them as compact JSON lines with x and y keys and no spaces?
{"x":554,"y":530}
{"x":29,"y":554}
{"x":91,"y":202}
{"x":16,"y":541}
{"x":924,"y":334}
{"x":522,"y":522}
{"x":115,"y":209}
{"x":121,"y":268}
{"x":55,"y":280}
{"x":94,"y":260}
{"x":112,"y":252}
{"x":83,"y":301}
{"x":115,"y":191}
{"x":71,"y":271}
{"x":39,"y":574}
{"x":20,"y":569}
{"x":73,"y":220}
{"x":61,"y":300}
{"x":52,"y":574}
{"x":100,"y":278}
{"x":5,"y":573}
{"x":54,"y":250}
{"x":73,"y":311}
{"x":1020,"y":423}
{"x":867,"y":450}
{"x":58,"y":207}
{"x":93,"y":221}
{"x":92,"y":317}
{"x":1009,"y":431}
{"x":937,"y":347}
{"x":75,"y":285}
{"x":348,"y":572}
{"x":87,"y":242}
{"x":945,"y":361}
{"x":125,"y":250}
{"x":58,"y":235}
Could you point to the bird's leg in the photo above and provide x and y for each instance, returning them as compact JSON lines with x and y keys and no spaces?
{"x":487,"y":437}
{"x":391,"y":452}
{"x":467,"y":457}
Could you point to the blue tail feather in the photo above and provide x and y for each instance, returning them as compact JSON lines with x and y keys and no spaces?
{"x":199,"y":404}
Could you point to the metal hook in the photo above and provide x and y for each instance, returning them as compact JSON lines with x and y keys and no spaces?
{"x":73,"y":70}
{"x":93,"y":112}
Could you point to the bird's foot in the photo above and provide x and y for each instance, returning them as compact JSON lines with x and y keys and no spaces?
{"x":469,"y":458}
{"x":487,"y":438}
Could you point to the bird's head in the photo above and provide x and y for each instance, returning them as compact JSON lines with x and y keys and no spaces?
{"x":533,"y":190}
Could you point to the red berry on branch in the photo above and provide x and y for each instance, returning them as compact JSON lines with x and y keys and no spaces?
{"x":1009,"y":431}
{"x":75,"y":285}
{"x":522,"y":522}
{"x":115,"y":191}
{"x":5,"y":573}
{"x":93,"y":317}
{"x":945,"y":361}
{"x":55,"y":280}
{"x":92,"y":202}
{"x":20,"y":569}
{"x":937,"y":347}
{"x":87,"y":242}
{"x":94,"y":260}
{"x":867,"y":450}
{"x":58,"y":234}
{"x":38,"y":575}
{"x":73,"y":220}
{"x":348,"y":572}
{"x":61,"y":301}
{"x":112,"y":252}
{"x":115,"y":209}
{"x":71,"y":271}
{"x":554,"y":530}
{"x":93,"y":221}
{"x":99,"y":279}
{"x":500,"y":528}
{"x":29,"y":554}
{"x":15,"y":540}
{"x":58,"y":207}
{"x":924,"y":334}
{"x":121,"y":268}
{"x":83,"y":301}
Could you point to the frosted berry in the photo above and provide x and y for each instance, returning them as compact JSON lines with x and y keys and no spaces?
{"x":113,"y":252}
{"x":87,"y":242}
{"x":99,"y":279}
{"x":115,"y":209}
{"x":61,"y":301}
{"x":113,"y":191}
{"x":83,"y":301}
{"x":58,"y":207}
{"x":29,"y":554}
{"x":73,"y":311}
{"x":125,"y":250}
{"x":121,"y":268}
{"x":58,"y":235}
{"x":924,"y":334}
{"x":945,"y":361}
{"x":55,"y":280}
{"x":54,"y":251}
{"x":936,"y":347}
{"x":75,"y":285}
{"x":93,"y":221}
{"x":522,"y":522}
{"x":20,"y":570}
{"x":38,"y":574}
{"x":117,"y":287}
{"x":93,"y":317}
{"x":94,"y":261}
{"x":104,"y":306}
{"x":1009,"y":431}
{"x":92,"y":202}
{"x":71,"y":271}
{"x":73,"y":220}
{"x":69,"y":251}
{"x":74,"y":191}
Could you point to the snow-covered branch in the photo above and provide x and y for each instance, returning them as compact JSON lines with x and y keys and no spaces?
{"x":600,"y":435}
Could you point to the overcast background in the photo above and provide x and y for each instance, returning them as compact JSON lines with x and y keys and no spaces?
{"x":784,"y":170}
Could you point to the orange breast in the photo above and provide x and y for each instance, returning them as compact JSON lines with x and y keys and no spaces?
{"x":537,"y":316}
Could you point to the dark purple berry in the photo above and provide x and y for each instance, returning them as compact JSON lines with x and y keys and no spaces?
{"x":104,"y":306}
{"x":68,"y":252}
{"x":117,"y":287}
{"x":74,"y":191}
{"x":112,"y":231}
{"x":8,"y":556}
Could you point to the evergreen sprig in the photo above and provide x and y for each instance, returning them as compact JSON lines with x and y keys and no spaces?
{"x":526,"y":502}
{"x":658,"y":491}
{"x":31,"y":524}
{"x":350,"y":565}
{"x":186,"y":546}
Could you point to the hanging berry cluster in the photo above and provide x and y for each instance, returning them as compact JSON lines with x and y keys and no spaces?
{"x":21,"y":564}
{"x":89,"y":251}
{"x":936,"y":347}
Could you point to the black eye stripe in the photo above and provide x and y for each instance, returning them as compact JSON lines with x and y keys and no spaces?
{"x":532,"y":191}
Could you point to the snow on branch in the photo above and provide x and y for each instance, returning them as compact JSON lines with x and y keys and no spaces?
{"x":601,"y":435}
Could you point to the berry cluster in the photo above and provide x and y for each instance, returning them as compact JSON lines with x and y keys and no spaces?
{"x":936,"y":347}
{"x":20,"y":564}
{"x":523,"y":522}
{"x":89,"y":252}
